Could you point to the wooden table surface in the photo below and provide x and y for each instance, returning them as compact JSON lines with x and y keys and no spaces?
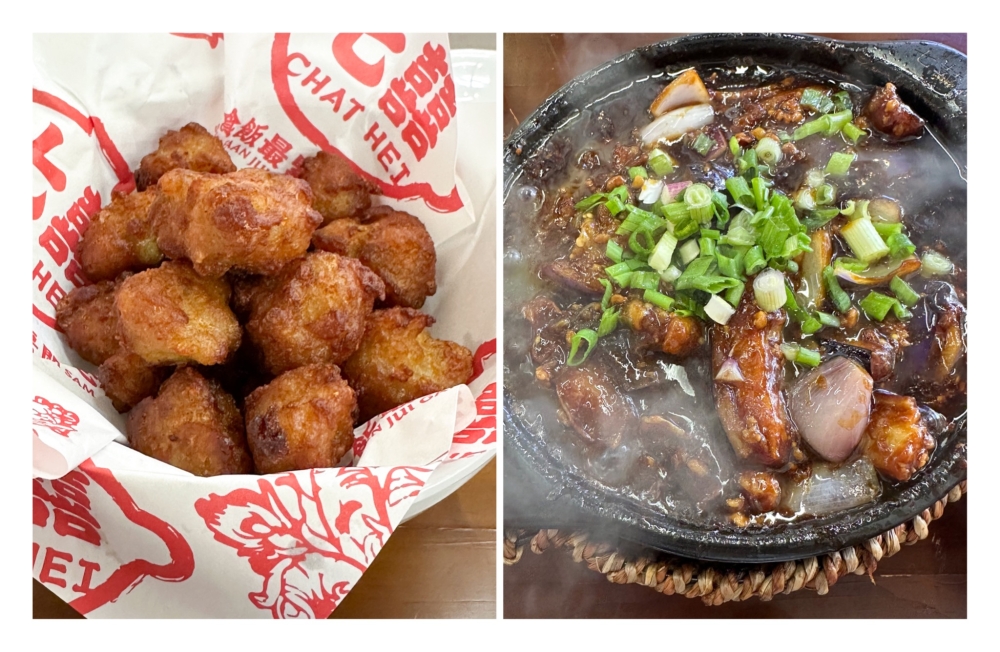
{"x":926,"y":580}
{"x":442,"y":564}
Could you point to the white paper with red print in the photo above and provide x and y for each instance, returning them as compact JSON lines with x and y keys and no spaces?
{"x":123,"y":535}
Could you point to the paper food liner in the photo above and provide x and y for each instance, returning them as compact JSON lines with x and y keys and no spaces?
{"x":119,"y":534}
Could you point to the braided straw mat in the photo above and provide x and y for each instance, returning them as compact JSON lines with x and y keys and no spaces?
{"x":715,"y":586}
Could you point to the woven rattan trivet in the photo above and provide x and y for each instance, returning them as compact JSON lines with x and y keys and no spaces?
{"x":695,"y":579}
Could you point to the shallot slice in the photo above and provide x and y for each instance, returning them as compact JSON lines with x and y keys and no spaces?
{"x":730,"y":372}
{"x":831,"y":406}
{"x":687,"y":88}
{"x":673,"y":125}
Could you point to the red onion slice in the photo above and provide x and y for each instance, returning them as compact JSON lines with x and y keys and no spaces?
{"x":831,"y":406}
{"x":730,"y":372}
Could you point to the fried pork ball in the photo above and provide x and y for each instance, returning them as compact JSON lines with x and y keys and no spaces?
{"x":120,"y":238}
{"x":338,"y":190}
{"x":127,"y":379}
{"x":171,"y":315}
{"x":250,"y":220}
{"x":191,"y":148}
{"x":303,"y":419}
{"x":314,"y":311}
{"x":87,"y":316}
{"x":399,"y":361}
{"x":394,"y":245}
{"x":897,"y":440}
{"x":192,"y":424}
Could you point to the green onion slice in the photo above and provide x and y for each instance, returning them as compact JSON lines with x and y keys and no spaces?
{"x":876,"y":305}
{"x":657,"y":299}
{"x":609,"y":321}
{"x":584,"y":335}
{"x":840,"y":163}
{"x":840,"y":299}
{"x":906,"y":294}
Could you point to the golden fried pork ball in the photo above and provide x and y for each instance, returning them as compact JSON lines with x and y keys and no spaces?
{"x":87,"y":316}
{"x":127,"y":379}
{"x":250,"y":220}
{"x":303,"y":419}
{"x":338,"y":190}
{"x":314,"y":311}
{"x":171,"y":315}
{"x":897,"y":440}
{"x":394,"y":245}
{"x":120,"y":238}
{"x":191,"y":148}
{"x":399,"y":361}
{"x":192,"y":424}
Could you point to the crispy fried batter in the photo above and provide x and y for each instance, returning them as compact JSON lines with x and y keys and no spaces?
{"x":394,"y":245}
{"x":304,"y":419}
{"x":896,"y":441}
{"x":87,"y":317}
{"x":249,"y":220}
{"x":399,"y":361}
{"x":120,"y":238}
{"x":127,"y":379}
{"x":192,"y":424}
{"x":314,"y":311}
{"x":170,"y":315}
{"x":191,"y":148}
{"x":338,"y":191}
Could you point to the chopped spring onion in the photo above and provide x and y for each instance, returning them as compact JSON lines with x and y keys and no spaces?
{"x":721,"y":207}
{"x":900,"y":246}
{"x":792,"y":267}
{"x":815,"y":178}
{"x":614,"y":251}
{"x":698,"y":198}
{"x":836,"y":122}
{"x":637,"y":171}
{"x":850,"y":264}
{"x":689,"y":251}
{"x":719,"y":310}
{"x":840,"y":163}
{"x":754,"y":261}
{"x":800,"y":354}
{"x":795,"y":311}
{"x":659,"y":259}
{"x":769,"y":151}
{"x":739,"y":236}
{"x":734,"y":147}
{"x":769,"y":290}
{"x":712,"y":234}
{"x":906,"y":294}
{"x":805,"y":199}
{"x":848,"y":209}
{"x":615,"y":205}
{"x":807,"y":357}
{"x":840,"y":300}
{"x":934,"y":264}
{"x":864,"y":240}
{"x":876,"y":305}
{"x":853,"y":132}
{"x":583,"y":335}
{"x":645,"y":280}
{"x":825,"y":195}
{"x":590,"y":202}
{"x":686,"y":228}
{"x":641,"y":242}
{"x":886,"y":230}
{"x":827,"y":319}
{"x":819,"y":217}
{"x":706,"y":246}
{"x":739,"y":190}
{"x":811,"y":325}
{"x":816,"y":100}
{"x":795,"y":245}
{"x":729,"y":266}
{"x":773,"y":237}
{"x":659,"y":161}
{"x":842,"y":100}
{"x":670,"y":274}
{"x":606,"y":299}
{"x":735,"y":293}
{"x":675,"y":212}
{"x":620,"y":273}
{"x":703,"y":144}
{"x":761,"y":192}
{"x":609,"y":321}
{"x":639,"y":219}
{"x":828,"y":125}
{"x":657,"y":299}
{"x":900,"y":311}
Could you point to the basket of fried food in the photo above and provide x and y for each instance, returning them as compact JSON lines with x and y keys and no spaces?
{"x":248,"y":321}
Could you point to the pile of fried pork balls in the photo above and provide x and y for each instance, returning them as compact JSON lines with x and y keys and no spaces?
{"x":250,"y":320}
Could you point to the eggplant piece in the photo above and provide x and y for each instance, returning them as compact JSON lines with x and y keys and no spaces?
{"x":593,"y":406}
{"x":891,"y":116}
{"x":897,"y":440}
{"x":753,"y":412}
{"x":811,"y":283}
{"x":583,"y":269}
{"x":662,"y":330}
{"x":948,"y":345}
{"x":548,"y":326}
{"x":686,"y":88}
